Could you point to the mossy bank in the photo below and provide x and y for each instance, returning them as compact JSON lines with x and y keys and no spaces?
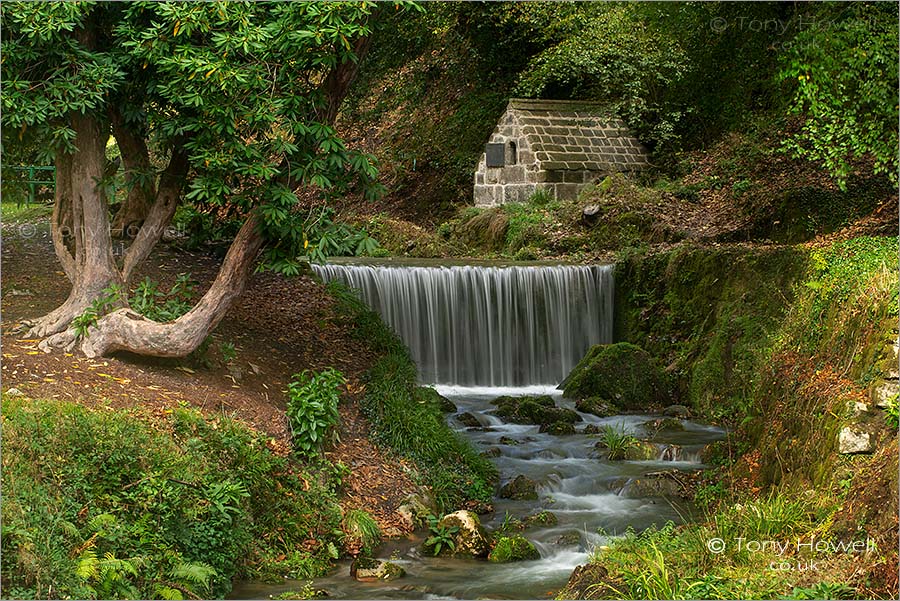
{"x":791,"y":347}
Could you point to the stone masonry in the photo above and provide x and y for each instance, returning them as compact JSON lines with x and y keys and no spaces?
{"x":559,"y":146}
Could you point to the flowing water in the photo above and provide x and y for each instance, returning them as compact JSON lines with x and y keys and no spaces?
{"x":468,"y":329}
{"x":468,"y":325}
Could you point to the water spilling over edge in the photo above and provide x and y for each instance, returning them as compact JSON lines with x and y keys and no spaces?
{"x":486,"y":325}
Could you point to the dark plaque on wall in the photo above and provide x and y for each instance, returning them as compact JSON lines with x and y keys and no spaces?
{"x":495,"y":154}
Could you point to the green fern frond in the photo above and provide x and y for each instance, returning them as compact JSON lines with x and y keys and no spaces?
{"x":168,"y":593}
{"x":194,"y":572}
{"x":101,"y":522}
{"x":88,"y":564}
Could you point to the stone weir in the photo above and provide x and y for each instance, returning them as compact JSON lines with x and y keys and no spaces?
{"x":488,"y":325}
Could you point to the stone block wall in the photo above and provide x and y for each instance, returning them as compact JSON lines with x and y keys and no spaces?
{"x":557,"y":146}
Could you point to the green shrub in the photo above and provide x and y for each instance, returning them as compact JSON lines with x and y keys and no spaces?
{"x":362,"y":531}
{"x":617,"y":442}
{"x":153,"y":303}
{"x":441,"y":537}
{"x":100,"y":504}
{"x":312,"y":409}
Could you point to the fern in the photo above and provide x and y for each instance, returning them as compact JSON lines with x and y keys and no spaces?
{"x":102,"y":523}
{"x":195,"y":573}
{"x":88,"y":566}
{"x":168,"y":593}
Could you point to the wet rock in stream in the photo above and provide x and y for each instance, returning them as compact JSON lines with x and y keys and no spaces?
{"x":468,"y":420}
{"x":366,"y":569}
{"x":513,"y":548}
{"x":558,"y":428}
{"x":469,"y":538}
{"x":679,"y":411}
{"x":519,"y":488}
{"x":595,"y":406}
{"x":537,"y":410}
{"x":542,"y":519}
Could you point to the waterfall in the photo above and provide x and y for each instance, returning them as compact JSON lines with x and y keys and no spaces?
{"x":488,"y":326}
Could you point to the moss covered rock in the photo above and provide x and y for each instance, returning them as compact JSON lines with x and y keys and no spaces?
{"x":538,"y":410}
{"x":469,"y":538}
{"x":595,"y":406}
{"x":468,"y":420}
{"x":622,"y":374}
{"x":542,"y":518}
{"x":367,"y":570}
{"x":558,"y":428}
{"x":520,"y":487}
{"x":513,"y":548}
{"x":666,"y":424}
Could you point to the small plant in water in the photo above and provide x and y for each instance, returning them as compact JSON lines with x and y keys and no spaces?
{"x":441,"y":536}
{"x":616,"y":441}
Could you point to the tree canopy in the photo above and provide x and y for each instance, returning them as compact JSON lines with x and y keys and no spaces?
{"x":230,"y":104}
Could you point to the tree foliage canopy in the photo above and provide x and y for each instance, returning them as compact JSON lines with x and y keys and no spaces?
{"x":240,"y":87}
{"x":844,"y":67}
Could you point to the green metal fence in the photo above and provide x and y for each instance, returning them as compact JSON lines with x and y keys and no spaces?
{"x":32,"y":173}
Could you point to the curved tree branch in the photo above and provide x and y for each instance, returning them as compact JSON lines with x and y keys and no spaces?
{"x":61,"y":220}
{"x":161,"y":211}
{"x":136,"y":160}
{"x":125,"y":330}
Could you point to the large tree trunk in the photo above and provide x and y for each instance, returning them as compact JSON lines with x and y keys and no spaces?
{"x":141,"y":190}
{"x":125,"y":330}
{"x":91,"y":267}
{"x":161,"y":212}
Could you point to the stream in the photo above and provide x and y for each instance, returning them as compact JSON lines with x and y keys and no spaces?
{"x":586,"y":492}
{"x":482,"y":331}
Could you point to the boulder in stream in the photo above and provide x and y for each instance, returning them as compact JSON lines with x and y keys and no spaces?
{"x":542,"y":518}
{"x":622,"y":374}
{"x":591,"y":429}
{"x":666,"y":424}
{"x":369,"y":570}
{"x":468,"y":420}
{"x":679,"y":411}
{"x":568,"y":539}
{"x":538,"y":410}
{"x":590,"y":581}
{"x":595,"y":406}
{"x":508,"y":441}
{"x":519,"y":488}
{"x":513,"y":548}
{"x":667,"y":483}
{"x":469,"y":538}
{"x":558,"y":428}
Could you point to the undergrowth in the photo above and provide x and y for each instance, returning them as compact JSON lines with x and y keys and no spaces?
{"x":404,"y":421}
{"x":116,"y":504}
{"x":785,"y":343}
